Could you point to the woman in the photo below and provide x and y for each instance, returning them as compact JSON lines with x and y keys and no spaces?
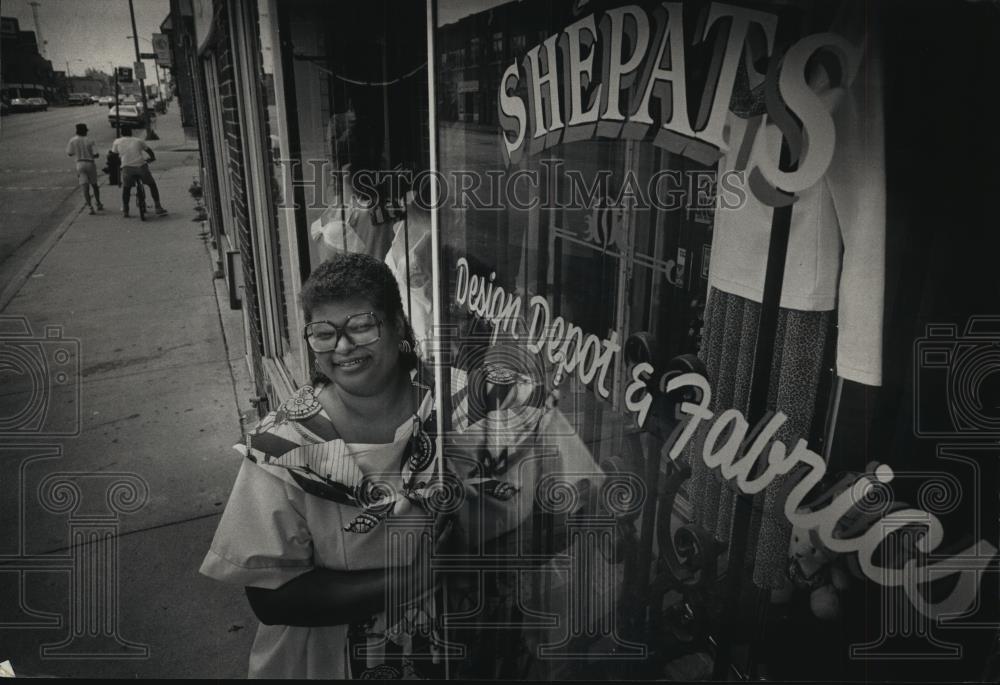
{"x":301,"y":530}
{"x":307,"y":526}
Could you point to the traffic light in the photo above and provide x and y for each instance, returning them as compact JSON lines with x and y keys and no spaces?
{"x":124,"y":75}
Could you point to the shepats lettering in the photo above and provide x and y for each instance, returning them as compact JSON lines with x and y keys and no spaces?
{"x":600,"y":76}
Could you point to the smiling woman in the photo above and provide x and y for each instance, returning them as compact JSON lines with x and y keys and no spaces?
{"x":299,"y":532}
{"x":344,"y":499}
{"x":361,"y":341}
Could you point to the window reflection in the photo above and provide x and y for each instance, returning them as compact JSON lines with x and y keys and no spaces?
{"x":360,"y":84}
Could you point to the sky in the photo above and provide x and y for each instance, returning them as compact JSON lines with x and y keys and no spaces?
{"x":90,"y":33}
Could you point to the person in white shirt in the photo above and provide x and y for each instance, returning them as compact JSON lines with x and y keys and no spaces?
{"x":135,"y":168}
{"x":82,"y":147}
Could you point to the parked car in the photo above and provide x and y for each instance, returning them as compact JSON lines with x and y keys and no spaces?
{"x":95,"y":99}
{"x":39,"y":104}
{"x":78,"y":99}
{"x":137,"y":103}
{"x":106,"y":100}
{"x":125,"y":114}
{"x":20,"y":105}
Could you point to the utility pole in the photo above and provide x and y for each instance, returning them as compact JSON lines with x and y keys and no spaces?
{"x":118,"y":119}
{"x":38,"y":28}
{"x":150,"y":133}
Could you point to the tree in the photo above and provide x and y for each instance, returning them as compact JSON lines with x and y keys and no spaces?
{"x":107,"y":80}
{"x":99,"y":75}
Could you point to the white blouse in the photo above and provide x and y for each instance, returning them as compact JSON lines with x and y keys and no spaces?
{"x":836,"y":247}
{"x":272,"y":532}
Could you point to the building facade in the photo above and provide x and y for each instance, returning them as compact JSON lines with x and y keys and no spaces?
{"x":178,"y":27}
{"x":25,"y":72}
{"x":91,"y":86}
{"x":654,"y":208}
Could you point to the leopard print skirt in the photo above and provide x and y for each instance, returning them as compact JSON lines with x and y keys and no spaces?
{"x":730,"y":333}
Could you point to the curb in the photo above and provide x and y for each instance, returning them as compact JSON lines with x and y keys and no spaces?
{"x":19,"y":279}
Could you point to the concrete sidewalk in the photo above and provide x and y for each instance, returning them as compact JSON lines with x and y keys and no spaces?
{"x":123,"y":441}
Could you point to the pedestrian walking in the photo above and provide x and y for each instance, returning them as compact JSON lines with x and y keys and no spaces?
{"x":82,"y":147}
{"x":135,"y":167}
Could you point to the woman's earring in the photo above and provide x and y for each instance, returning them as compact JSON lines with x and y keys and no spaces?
{"x":405,"y":347}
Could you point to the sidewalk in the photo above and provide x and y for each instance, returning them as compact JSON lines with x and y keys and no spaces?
{"x":159,"y":392}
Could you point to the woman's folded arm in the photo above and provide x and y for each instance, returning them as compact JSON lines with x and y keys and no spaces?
{"x":321,"y":597}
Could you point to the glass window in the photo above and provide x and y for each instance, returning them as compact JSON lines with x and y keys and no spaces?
{"x":358,"y":104}
{"x":578,"y":274}
{"x":606,"y":270}
{"x":278,"y":151}
{"x":220,"y":148}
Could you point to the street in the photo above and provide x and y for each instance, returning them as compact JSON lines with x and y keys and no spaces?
{"x":38,"y":187}
{"x":122,"y":375}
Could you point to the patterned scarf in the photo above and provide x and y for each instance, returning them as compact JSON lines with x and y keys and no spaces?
{"x":298,"y":441}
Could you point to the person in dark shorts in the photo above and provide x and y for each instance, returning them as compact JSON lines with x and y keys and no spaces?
{"x":135,"y":168}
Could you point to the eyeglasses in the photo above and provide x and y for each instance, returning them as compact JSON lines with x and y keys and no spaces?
{"x":359,"y":329}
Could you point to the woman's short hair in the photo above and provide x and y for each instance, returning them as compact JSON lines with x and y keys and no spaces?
{"x":350,"y":275}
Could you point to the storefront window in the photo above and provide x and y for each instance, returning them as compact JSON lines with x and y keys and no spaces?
{"x":552,"y":266}
{"x":599,"y":271}
{"x":657,"y":205}
{"x":220,"y":149}
{"x":360,"y":113}
{"x":715,"y":381}
{"x":279,"y":184}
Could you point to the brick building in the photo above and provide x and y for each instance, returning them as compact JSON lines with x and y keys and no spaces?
{"x":25,"y":73}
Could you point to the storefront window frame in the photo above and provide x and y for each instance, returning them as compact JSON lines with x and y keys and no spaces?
{"x":211,"y":72}
{"x":245,"y":45}
{"x":295,"y":362}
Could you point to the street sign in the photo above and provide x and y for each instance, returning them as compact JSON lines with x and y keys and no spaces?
{"x":124,"y":75}
{"x":140,"y":71}
{"x":147,"y":55}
